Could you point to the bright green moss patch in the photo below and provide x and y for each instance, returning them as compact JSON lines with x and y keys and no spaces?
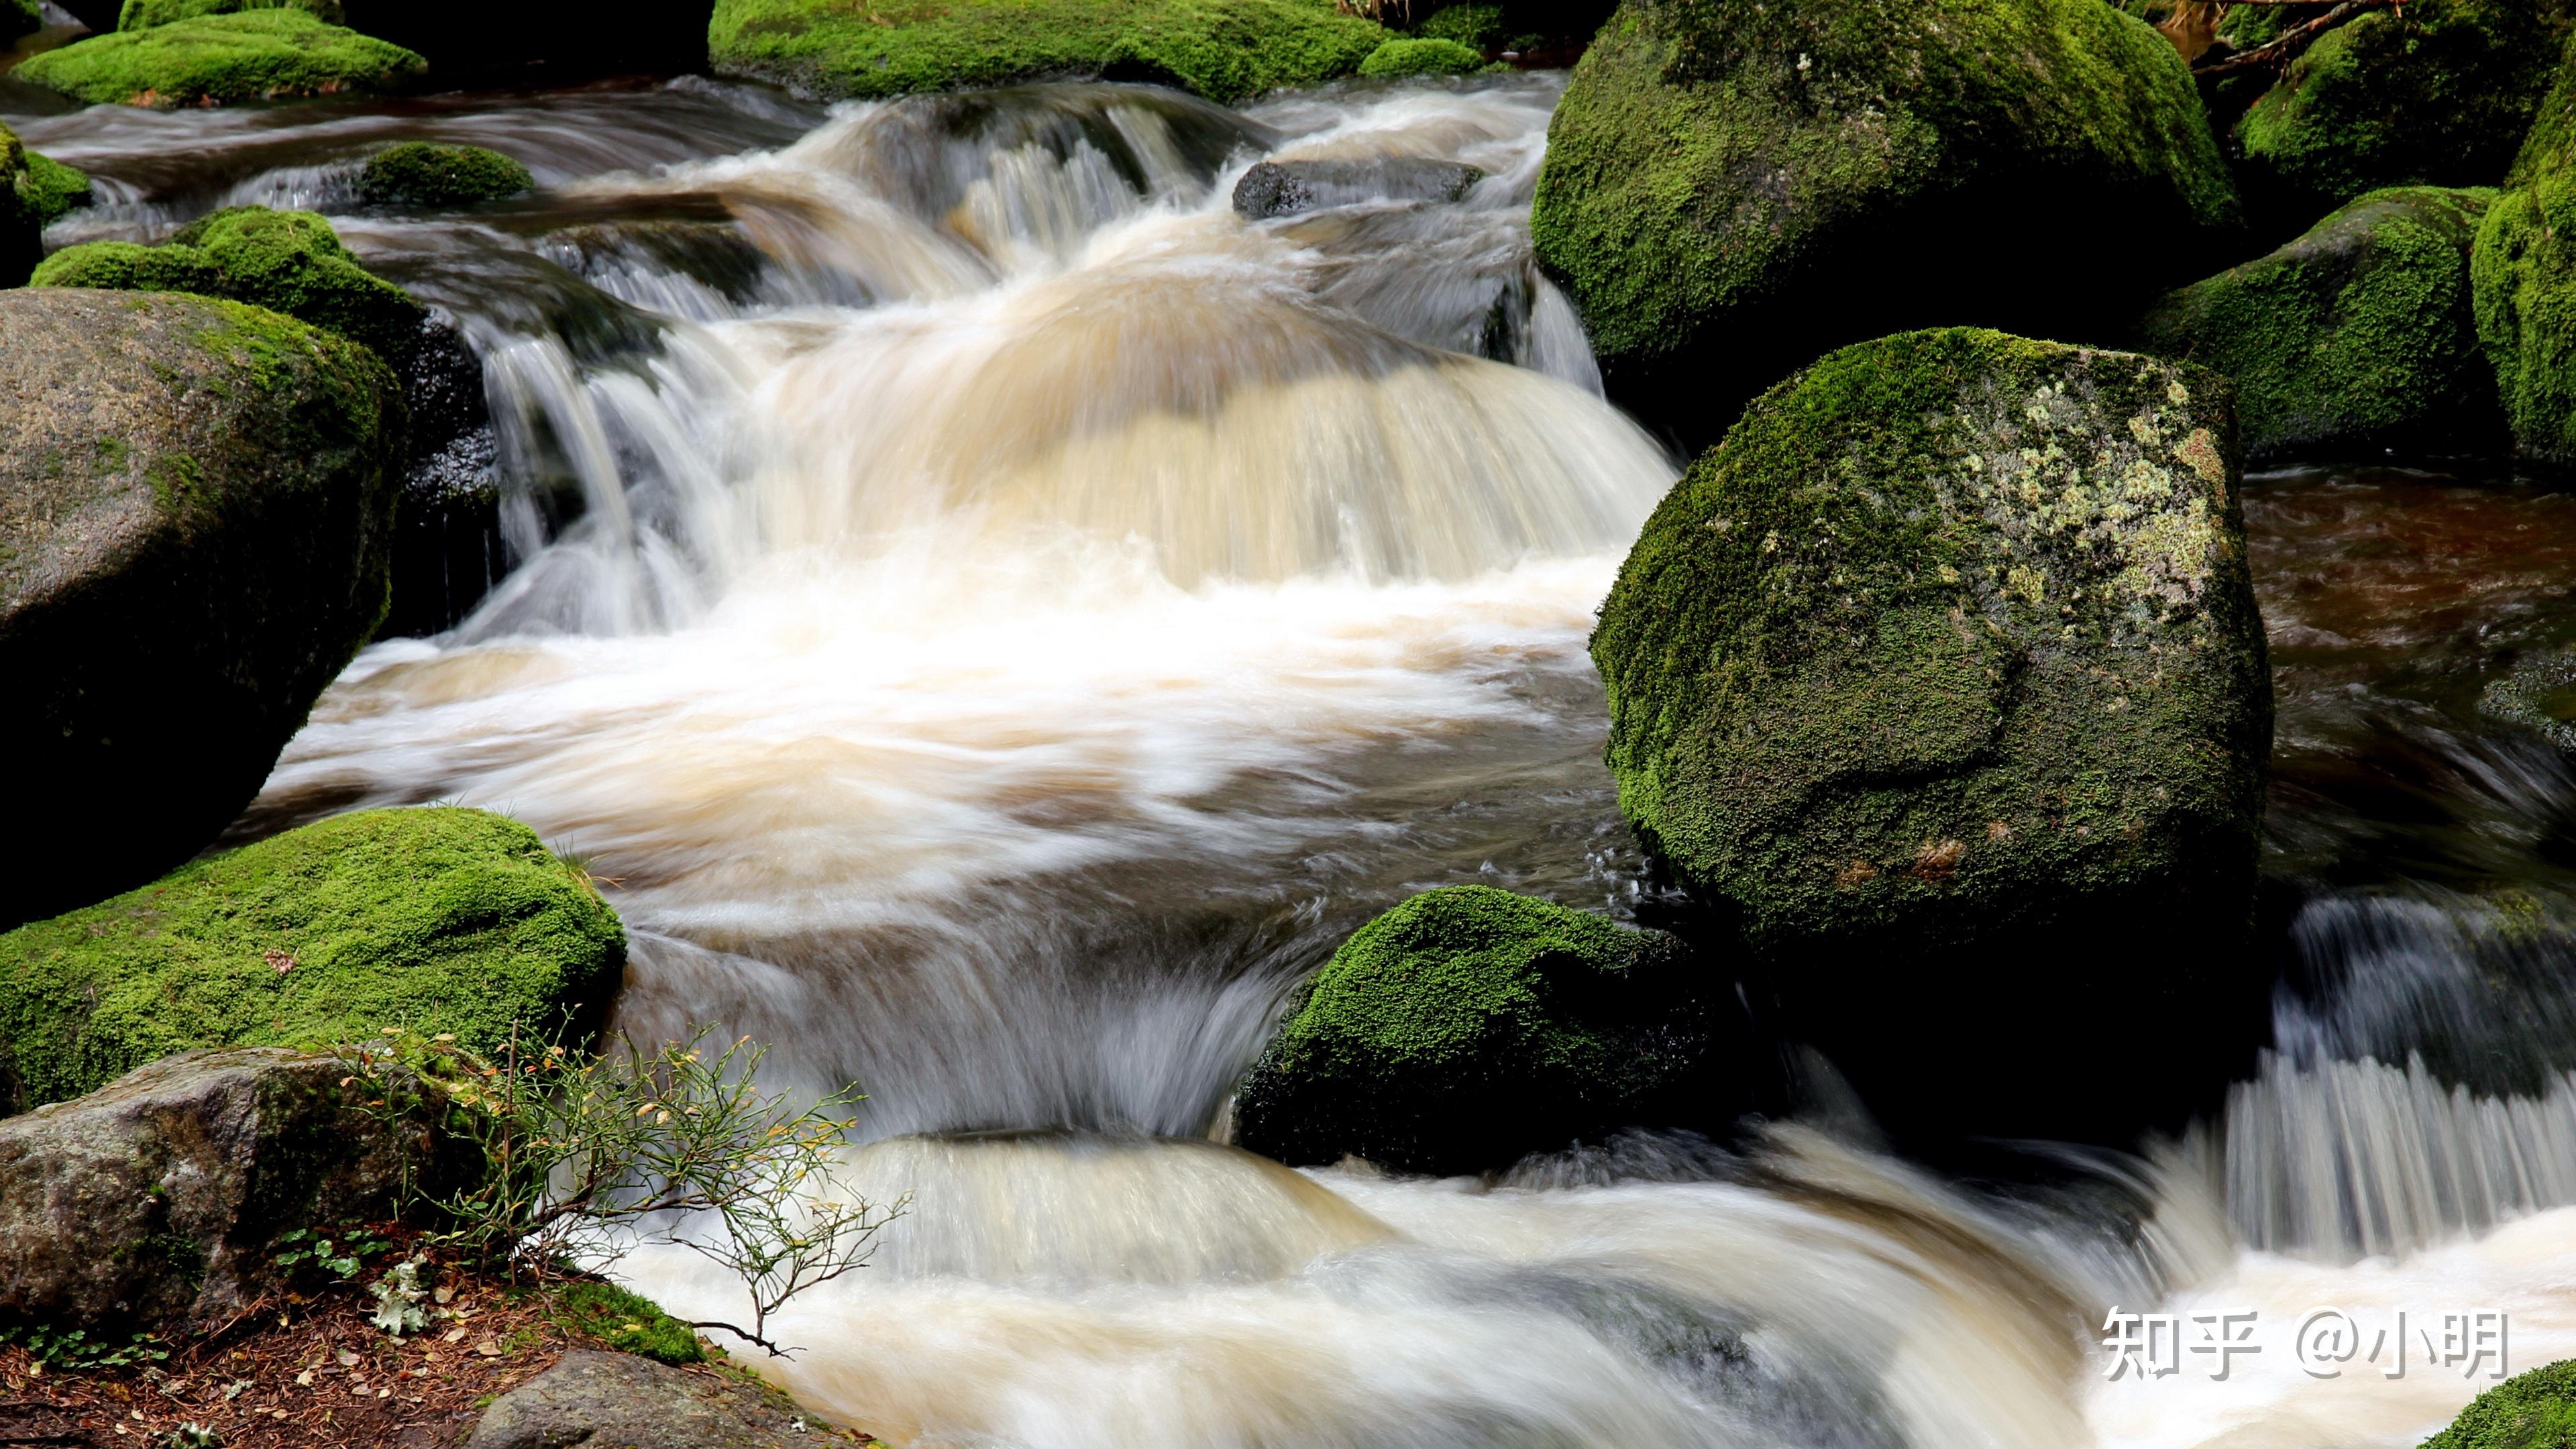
{"x":1421,"y":57}
{"x":417,"y":173}
{"x":144,"y":14}
{"x":2524,"y":274}
{"x":1479,"y":27}
{"x":434,"y":919}
{"x":285,"y":261}
{"x":627,"y":1321}
{"x":1225,"y":50}
{"x":2360,"y":335}
{"x":255,"y":55}
{"x":2536,"y":1410}
{"x":52,"y":188}
{"x":22,"y":225}
{"x":1461,"y":998}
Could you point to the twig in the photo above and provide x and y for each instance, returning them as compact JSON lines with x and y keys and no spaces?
{"x":2280,"y":48}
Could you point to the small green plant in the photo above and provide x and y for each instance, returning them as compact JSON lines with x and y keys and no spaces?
{"x":193,"y":1435}
{"x":343,"y":1257}
{"x":74,"y":1350}
{"x":401,"y":1298}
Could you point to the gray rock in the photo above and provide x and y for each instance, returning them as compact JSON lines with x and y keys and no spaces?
{"x":196,"y":500}
{"x":156,"y":1201}
{"x":614,"y":1399}
{"x":1285,"y":188}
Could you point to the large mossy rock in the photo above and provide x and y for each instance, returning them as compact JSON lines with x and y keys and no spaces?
{"x":196,"y":499}
{"x":1732,"y":189}
{"x":2436,"y":92}
{"x":2524,"y":272}
{"x":440,"y":920}
{"x":22,"y":224}
{"x":1941,"y":678}
{"x":157,"y":1202}
{"x":420,"y":173}
{"x":2535,"y":1410}
{"x":1469,"y":1027}
{"x":1225,"y":50}
{"x":213,"y":60}
{"x":144,"y":14}
{"x":2359,"y":336}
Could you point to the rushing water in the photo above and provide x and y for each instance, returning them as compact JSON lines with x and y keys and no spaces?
{"x":995,"y":618}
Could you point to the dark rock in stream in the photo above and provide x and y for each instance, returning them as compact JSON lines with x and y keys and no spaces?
{"x":619,"y":1399}
{"x":448,"y":550}
{"x":1285,"y":188}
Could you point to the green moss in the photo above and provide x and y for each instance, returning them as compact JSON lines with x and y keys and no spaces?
{"x":435,"y":919}
{"x":2536,"y":1410}
{"x":2524,"y":275}
{"x":1422,"y":57}
{"x":626,"y":1321}
{"x":1226,"y":50}
{"x":1457,"y":998}
{"x":1731,"y":188}
{"x":52,"y":188}
{"x":417,"y":173}
{"x":21,"y":230}
{"x":1477,"y":26}
{"x":256,"y":55}
{"x":285,"y":261}
{"x":144,"y":14}
{"x":2440,"y":92}
{"x":1953,"y":635}
{"x":2360,"y":335}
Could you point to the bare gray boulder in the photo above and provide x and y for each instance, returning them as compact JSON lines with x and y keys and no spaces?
{"x":157,"y":1200}
{"x":1286,"y":188}
{"x":604,"y":1399}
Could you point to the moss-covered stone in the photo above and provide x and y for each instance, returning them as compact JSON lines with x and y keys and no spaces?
{"x":1463,"y":998}
{"x":440,"y":920}
{"x":1731,"y":189}
{"x":418,"y":173}
{"x":286,"y":261}
{"x":2358,"y":336}
{"x":144,"y":14}
{"x":2437,"y":91}
{"x":254,"y":55}
{"x":22,"y":229}
{"x":1419,"y":56}
{"x":196,"y":503}
{"x":51,"y":188}
{"x":1479,"y":27}
{"x":1226,"y":50}
{"x":2524,"y":274}
{"x":2535,"y":1410}
{"x":628,"y":1322}
{"x":2539,"y":694}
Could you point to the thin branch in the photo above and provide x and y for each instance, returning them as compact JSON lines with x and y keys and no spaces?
{"x":2279,"y":50}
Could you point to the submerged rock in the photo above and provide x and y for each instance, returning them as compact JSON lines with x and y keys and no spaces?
{"x":144,"y":14}
{"x":158,"y":1200}
{"x":1941,"y":678}
{"x":1422,"y":55}
{"x":590,"y":1397}
{"x":2535,"y":1410}
{"x":1731,"y":189}
{"x":214,"y":60}
{"x":2360,"y":335}
{"x":1469,"y":1027}
{"x":195,"y":498}
{"x":1225,"y":50}
{"x":2524,"y":273}
{"x":1286,"y":188}
{"x":436,"y":919}
{"x":417,"y":173}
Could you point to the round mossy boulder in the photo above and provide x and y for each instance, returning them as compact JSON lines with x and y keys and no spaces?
{"x":196,"y":500}
{"x":2435,"y":91}
{"x":1469,"y":1027}
{"x":2359,"y":336}
{"x":52,"y":188}
{"x":1225,"y":50}
{"x":144,"y":14}
{"x":419,"y":173}
{"x":286,"y":261}
{"x":434,"y":919}
{"x":1941,"y":679}
{"x":2524,"y":274}
{"x":1731,"y":189}
{"x":2535,"y":1410}
{"x":1421,"y":57}
{"x":252,"y":55}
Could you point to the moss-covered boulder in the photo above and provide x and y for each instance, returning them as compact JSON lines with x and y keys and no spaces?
{"x":2535,"y":1410}
{"x":285,"y":261}
{"x":1478,"y":27}
{"x":420,"y":173}
{"x":1469,"y":1027}
{"x":52,"y":189}
{"x":2360,"y":335}
{"x":2524,"y":273}
{"x":195,"y":504}
{"x":22,"y":228}
{"x":1943,"y":664}
{"x":1731,"y":189}
{"x":144,"y":14}
{"x":1422,"y":55}
{"x":2435,"y":92}
{"x":214,"y":60}
{"x":440,"y":920}
{"x":1225,"y":50}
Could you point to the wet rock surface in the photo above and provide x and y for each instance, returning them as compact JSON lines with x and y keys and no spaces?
{"x":604,"y":1399}
{"x":1286,"y":188}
